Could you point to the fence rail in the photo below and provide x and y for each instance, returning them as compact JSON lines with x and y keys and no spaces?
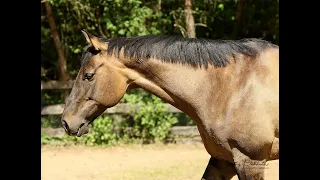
{"x":56,"y":84}
{"x":121,"y":108}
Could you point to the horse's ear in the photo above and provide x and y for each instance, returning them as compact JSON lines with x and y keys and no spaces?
{"x":94,"y":41}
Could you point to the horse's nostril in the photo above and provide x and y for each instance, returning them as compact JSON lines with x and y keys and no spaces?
{"x":65,"y":126}
{"x":82,"y":124}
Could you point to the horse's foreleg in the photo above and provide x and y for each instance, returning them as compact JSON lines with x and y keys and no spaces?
{"x":248,"y":169}
{"x":219,"y":170}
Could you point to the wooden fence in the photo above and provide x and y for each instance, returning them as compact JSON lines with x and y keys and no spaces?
{"x":56,"y":85}
{"x":121,"y":108}
{"x":179,"y":134}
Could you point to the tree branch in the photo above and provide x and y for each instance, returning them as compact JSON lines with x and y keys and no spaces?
{"x":191,"y":33}
{"x":200,"y":24}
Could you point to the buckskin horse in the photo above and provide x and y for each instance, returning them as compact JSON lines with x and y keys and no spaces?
{"x":230,"y":88}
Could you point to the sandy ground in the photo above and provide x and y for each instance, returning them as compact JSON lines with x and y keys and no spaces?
{"x":156,"y":162}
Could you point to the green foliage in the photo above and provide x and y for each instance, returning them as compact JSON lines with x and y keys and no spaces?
{"x":46,"y":139}
{"x":101,"y":17}
{"x":52,"y":121}
{"x":152,"y":121}
{"x":51,"y":97}
{"x":101,"y":133}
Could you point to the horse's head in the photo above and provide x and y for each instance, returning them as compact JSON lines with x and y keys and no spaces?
{"x":100,"y":84}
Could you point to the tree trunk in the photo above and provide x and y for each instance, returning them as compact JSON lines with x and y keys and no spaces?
{"x":238,"y":18}
{"x":62,"y":62}
{"x":191,"y":32}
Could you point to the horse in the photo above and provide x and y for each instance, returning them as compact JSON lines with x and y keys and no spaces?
{"x":229,"y":88}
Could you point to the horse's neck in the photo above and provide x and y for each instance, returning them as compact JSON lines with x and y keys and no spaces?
{"x":180,"y":85}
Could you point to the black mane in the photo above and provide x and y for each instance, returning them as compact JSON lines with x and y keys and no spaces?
{"x":176,"y":49}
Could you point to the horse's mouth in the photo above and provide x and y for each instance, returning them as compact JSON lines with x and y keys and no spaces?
{"x":83,"y":129}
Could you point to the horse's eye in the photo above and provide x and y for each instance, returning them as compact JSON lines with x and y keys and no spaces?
{"x":88,"y":76}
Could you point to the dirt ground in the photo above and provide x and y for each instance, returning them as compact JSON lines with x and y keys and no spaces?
{"x":157,"y":162}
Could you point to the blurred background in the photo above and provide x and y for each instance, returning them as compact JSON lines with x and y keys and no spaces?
{"x":140,"y":118}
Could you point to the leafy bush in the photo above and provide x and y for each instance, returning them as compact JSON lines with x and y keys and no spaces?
{"x":151,"y":122}
{"x":101,"y":132}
